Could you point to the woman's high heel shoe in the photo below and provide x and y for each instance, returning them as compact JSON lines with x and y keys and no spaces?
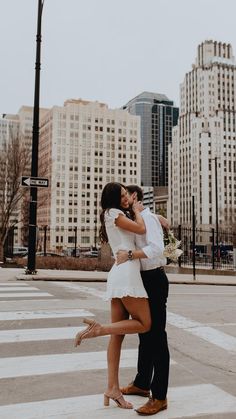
{"x":119,"y":400}
{"x":89,"y":332}
{"x":90,"y":322}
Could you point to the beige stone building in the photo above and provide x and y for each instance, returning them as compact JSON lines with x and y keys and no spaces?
{"x":205,"y":135}
{"x":83,"y":145}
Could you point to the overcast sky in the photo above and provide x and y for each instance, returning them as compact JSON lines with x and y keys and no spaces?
{"x":105,"y":50}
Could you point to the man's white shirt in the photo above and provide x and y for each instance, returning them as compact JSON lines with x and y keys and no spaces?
{"x":151,"y":242}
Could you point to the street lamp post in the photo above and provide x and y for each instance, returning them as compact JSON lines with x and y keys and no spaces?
{"x":35,"y":141}
{"x":95,"y":221}
{"x":216,"y":207}
{"x":193,"y":238}
{"x":75,"y":240}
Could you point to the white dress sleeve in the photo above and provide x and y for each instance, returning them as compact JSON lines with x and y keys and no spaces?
{"x":111,"y":215}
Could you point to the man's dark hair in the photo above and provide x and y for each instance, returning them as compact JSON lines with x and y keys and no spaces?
{"x":134,"y":188}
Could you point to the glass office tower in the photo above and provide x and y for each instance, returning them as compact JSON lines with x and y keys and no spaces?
{"x":158,"y":116}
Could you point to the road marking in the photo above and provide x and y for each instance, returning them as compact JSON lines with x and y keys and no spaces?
{"x":23,"y":366}
{"x":16,"y":288}
{"x":207,"y":333}
{"x":86,"y":290}
{"x":214,"y":336}
{"x":30,"y":335}
{"x":220,"y":324}
{"x":13,"y":284}
{"x":39,"y":304}
{"x":230,"y":294}
{"x":24,"y":294}
{"x":42,"y":314}
{"x":184,"y":402}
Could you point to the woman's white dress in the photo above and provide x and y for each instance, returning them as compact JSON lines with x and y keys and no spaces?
{"x":124,"y":279}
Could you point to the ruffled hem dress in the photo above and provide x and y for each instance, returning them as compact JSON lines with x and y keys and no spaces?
{"x":124,"y":279}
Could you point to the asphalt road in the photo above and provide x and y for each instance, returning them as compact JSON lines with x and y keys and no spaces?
{"x":42,"y":375}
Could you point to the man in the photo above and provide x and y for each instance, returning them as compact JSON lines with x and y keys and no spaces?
{"x":153,"y":355}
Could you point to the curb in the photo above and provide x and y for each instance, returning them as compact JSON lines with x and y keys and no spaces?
{"x":37,"y":278}
{"x":97,"y":280}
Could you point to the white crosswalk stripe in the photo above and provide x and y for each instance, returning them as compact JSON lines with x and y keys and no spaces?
{"x":36,"y":304}
{"x":183,"y":400}
{"x":33,"y":335}
{"x":4,"y":289}
{"x":205,"y":332}
{"x":24,"y":294}
{"x":43,"y":314}
{"x":13,"y":284}
{"x":16,"y":290}
{"x":209,"y":400}
{"x":61,"y":363}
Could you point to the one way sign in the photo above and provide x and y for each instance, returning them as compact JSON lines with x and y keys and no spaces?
{"x":36,"y":182}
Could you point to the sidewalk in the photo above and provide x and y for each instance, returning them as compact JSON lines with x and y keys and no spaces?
{"x":12,"y":274}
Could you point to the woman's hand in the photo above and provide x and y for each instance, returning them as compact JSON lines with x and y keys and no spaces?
{"x":138,"y":206}
{"x":164,"y":222}
{"x":121,"y":256}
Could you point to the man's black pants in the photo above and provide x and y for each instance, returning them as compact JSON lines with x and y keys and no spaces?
{"x":153,"y":356}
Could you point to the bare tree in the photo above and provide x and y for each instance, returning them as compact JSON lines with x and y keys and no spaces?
{"x":14,"y":162}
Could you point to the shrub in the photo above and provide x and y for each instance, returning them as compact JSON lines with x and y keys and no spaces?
{"x":69,"y":263}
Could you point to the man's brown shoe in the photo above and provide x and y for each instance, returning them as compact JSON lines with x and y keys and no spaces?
{"x":152,"y":407}
{"x":131,"y":389}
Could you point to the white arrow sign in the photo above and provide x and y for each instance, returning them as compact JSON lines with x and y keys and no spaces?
{"x":34,"y":181}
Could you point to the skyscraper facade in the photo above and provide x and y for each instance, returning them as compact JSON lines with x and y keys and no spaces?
{"x":158,"y":115}
{"x":83,"y":145}
{"x":202,"y":159}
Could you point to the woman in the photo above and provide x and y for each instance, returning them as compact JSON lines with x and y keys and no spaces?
{"x":124,"y":286}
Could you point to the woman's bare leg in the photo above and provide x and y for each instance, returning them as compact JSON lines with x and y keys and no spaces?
{"x":140,"y":322}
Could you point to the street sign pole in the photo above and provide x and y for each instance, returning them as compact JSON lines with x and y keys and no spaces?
{"x":35,"y":140}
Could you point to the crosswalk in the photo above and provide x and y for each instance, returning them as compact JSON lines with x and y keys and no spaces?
{"x":43,"y":376}
{"x":90,"y":407}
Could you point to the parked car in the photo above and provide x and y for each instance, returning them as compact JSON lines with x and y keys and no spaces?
{"x":90,"y":254}
{"x":20,"y":251}
{"x":52,"y":254}
{"x":71,"y":252}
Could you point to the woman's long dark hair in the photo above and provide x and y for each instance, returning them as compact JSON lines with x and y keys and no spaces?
{"x":111,"y":197}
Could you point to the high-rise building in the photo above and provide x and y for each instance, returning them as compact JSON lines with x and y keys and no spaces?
{"x":158,"y":115}
{"x":202,"y":159}
{"x":148,"y":197}
{"x":83,"y":145}
{"x":12,"y":127}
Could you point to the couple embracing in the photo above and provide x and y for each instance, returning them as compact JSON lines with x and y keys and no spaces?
{"x":137,"y":287}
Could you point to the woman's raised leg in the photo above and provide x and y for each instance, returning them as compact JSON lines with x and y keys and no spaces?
{"x":140,"y":322}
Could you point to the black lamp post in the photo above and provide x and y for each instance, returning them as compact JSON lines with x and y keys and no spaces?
{"x":35,"y":141}
{"x":193,"y":238}
{"x":216,"y":208}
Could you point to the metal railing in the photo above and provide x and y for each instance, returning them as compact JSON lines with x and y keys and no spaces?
{"x":207,"y":251}
{"x":75,"y":241}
